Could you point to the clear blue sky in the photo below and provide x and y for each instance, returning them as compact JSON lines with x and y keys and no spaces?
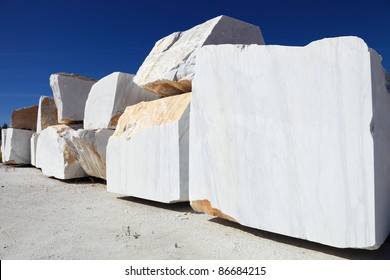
{"x":95,"y":38}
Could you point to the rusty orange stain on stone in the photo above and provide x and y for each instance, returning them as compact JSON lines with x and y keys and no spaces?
{"x":206,"y":207}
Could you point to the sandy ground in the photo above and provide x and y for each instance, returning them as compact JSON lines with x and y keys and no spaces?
{"x":45,"y":218}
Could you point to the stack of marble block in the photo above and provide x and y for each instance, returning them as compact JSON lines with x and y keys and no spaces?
{"x":88,"y":111}
{"x":292,"y":140}
{"x":148,"y":155}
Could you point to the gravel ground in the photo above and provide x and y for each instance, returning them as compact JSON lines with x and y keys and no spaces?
{"x":45,"y":218}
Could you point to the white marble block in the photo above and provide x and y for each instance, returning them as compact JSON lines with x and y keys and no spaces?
{"x":109,"y":97}
{"x":47,"y":113}
{"x":16,"y":148}
{"x":3,"y":139}
{"x":294,"y":140}
{"x":147,"y":157}
{"x":169,"y":67}
{"x":33,"y":148}
{"x":55,"y":153}
{"x":91,"y":150}
{"x":70,"y":93}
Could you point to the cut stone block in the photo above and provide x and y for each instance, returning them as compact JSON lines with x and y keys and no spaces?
{"x":33,"y":148}
{"x":47,"y":113}
{"x":294,"y":140}
{"x":147,"y":157}
{"x":3,"y":139}
{"x":109,"y":97}
{"x":91,"y":150}
{"x":70,"y":93}
{"x":16,"y":148}
{"x":25,"y":118}
{"x":169,"y":68}
{"x":56,"y":153}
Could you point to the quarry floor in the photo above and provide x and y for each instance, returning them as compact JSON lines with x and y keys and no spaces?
{"x":45,"y":218}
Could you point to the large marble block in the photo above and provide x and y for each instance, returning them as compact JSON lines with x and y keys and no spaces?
{"x":294,"y":140}
{"x":55,"y":153}
{"x":70,"y":93}
{"x":3,"y":139}
{"x":147,"y":157}
{"x":169,"y":68}
{"x":25,"y":118}
{"x":47,"y":113}
{"x":16,"y":148}
{"x":33,"y":148}
{"x":91,"y":150}
{"x":109,"y":97}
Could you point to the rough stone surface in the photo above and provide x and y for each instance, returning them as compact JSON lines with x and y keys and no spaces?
{"x":147,"y":157}
{"x":55,"y":153}
{"x":294,"y":140}
{"x":169,"y":68}
{"x":109,"y":97}
{"x":16,"y":146}
{"x":25,"y":118}
{"x":47,"y":113}
{"x":70,"y":93}
{"x":33,"y":148}
{"x":91,"y":150}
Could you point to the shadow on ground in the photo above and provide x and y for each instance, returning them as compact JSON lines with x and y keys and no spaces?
{"x":383,"y":253}
{"x":182,"y":207}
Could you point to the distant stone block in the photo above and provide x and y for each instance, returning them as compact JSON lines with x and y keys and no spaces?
{"x":147,"y":157}
{"x":55,"y":153}
{"x":16,"y":148}
{"x":25,"y":118}
{"x":70,"y":93}
{"x":294,"y":140}
{"x":169,"y":67}
{"x":3,"y":139}
{"x":90,"y":151}
{"x":33,"y":148}
{"x":47,"y":113}
{"x":109,"y":97}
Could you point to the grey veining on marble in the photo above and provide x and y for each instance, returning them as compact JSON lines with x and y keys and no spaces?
{"x":281,"y":140}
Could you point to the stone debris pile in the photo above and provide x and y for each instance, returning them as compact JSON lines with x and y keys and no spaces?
{"x":291,"y":140}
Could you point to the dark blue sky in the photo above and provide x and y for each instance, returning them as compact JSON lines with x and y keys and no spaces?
{"x":95,"y":38}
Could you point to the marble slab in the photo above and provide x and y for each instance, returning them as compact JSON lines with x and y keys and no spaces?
{"x":25,"y":118}
{"x":55,"y":153}
{"x":3,"y":139}
{"x":47,"y":113}
{"x":109,"y":97}
{"x":16,"y":148}
{"x":33,"y":148}
{"x":169,"y":67}
{"x":294,"y":140}
{"x":90,"y":150}
{"x":70,"y":93}
{"x":147,"y":157}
